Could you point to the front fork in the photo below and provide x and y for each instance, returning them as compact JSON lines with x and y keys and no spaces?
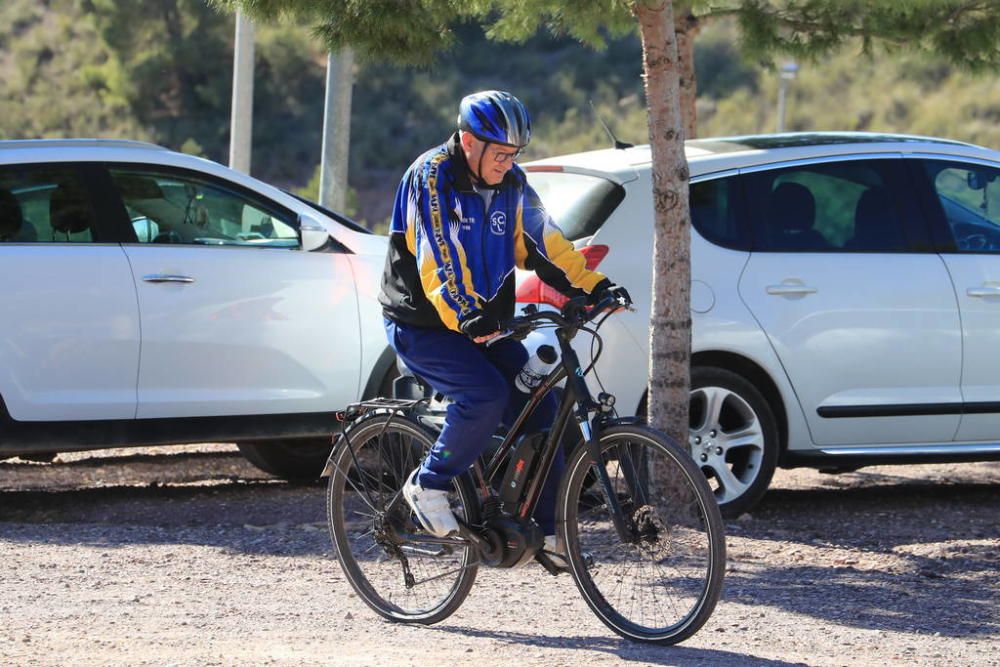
{"x":591,"y":430}
{"x":623,"y":522}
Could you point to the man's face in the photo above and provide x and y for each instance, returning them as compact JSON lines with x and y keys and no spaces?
{"x":496,"y":159}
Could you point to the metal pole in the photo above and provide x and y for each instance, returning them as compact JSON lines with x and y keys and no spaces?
{"x":788,"y":73}
{"x":241,"y":118}
{"x":782,"y":91}
{"x":336,"y":130}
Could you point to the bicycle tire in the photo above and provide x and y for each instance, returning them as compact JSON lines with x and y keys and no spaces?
{"x":347,"y":484}
{"x":669,"y":529}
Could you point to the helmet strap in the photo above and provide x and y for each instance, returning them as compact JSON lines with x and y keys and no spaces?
{"x":479,"y":167}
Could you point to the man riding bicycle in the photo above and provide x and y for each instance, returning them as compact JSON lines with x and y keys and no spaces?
{"x":464,"y":217}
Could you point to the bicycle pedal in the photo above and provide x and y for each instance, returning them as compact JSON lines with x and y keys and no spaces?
{"x":548,"y":564}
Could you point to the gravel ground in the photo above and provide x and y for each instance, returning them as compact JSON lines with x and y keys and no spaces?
{"x":189,"y":555}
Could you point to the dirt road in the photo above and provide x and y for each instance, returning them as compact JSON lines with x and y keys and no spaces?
{"x":190,"y":556}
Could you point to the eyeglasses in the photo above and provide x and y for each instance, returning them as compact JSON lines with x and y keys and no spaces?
{"x":503,"y":157}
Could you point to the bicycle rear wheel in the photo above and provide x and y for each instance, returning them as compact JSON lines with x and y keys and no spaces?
{"x":401,"y":578}
{"x":661,"y":583}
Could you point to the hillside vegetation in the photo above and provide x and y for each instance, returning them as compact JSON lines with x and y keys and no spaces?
{"x":160,"y":70}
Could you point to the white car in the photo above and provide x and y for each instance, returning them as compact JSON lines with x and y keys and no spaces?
{"x":845,"y":297}
{"x":151,"y":297}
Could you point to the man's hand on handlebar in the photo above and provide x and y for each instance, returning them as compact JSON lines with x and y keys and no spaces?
{"x":486,"y":339}
{"x":607,"y":292}
{"x":575,"y":313}
{"x":480,"y":328}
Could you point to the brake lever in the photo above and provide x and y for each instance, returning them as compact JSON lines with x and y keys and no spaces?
{"x":499,"y":337}
{"x":516,"y":333}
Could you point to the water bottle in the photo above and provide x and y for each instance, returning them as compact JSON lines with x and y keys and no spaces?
{"x":537,"y":368}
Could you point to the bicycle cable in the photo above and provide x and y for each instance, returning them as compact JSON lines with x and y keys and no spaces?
{"x":595,"y":338}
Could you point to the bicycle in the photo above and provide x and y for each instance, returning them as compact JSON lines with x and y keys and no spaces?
{"x":643,"y":533}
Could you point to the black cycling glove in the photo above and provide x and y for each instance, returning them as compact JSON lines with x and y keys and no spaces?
{"x":479,"y":325}
{"x":606,"y":288}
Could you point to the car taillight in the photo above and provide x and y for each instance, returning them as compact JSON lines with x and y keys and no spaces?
{"x":534,"y":290}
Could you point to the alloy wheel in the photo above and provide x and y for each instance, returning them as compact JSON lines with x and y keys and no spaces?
{"x":726,"y":441}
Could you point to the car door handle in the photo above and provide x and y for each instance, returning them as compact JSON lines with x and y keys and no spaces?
{"x":786,"y":289}
{"x":983,"y":291}
{"x":167,"y":278}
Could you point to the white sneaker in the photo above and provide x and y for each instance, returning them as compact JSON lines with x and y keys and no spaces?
{"x":430,"y":506}
{"x":555,"y":550}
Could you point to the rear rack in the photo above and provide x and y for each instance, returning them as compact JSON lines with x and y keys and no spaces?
{"x":393,"y":406}
{"x":355,"y":410}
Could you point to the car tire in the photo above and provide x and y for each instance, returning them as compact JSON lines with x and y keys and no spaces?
{"x":294,"y":459}
{"x":734,"y":437}
{"x":300,"y":459}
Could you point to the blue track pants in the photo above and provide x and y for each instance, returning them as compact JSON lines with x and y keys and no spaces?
{"x":480,"y":381}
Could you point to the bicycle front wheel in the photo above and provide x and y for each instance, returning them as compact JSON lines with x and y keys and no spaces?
{"x":377,"y":539}
{"x":659,"y":579}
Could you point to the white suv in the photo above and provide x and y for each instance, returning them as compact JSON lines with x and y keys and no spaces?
{"x":153,"y":297}
{"x":845,"y":297}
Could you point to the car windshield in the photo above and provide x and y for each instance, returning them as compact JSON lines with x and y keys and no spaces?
{"x":958,"y":211}
{"x":578,"y":203}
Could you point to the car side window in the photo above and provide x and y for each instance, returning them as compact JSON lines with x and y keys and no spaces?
{"x":45,"y":204}
{"x":969,"y":195}
{"x":714,"y":213}
{"x":827,"y":207}
{"x":170,"y":208}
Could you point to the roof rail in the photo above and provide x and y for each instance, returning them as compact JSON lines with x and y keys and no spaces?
{"x":823,"y":138}
{"x":77,"y":143}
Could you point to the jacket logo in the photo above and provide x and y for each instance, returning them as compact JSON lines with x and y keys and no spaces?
{"x":498,"y":223}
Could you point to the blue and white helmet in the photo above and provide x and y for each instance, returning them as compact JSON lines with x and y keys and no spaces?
{"x":496,"y":117}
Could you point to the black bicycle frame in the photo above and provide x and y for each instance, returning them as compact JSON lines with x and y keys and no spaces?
{"x":577,"y":403}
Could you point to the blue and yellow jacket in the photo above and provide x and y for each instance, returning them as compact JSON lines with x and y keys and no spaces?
{"x":452,"y":256}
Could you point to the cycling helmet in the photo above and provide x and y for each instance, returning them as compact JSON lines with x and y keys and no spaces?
{"x":495,"y":117}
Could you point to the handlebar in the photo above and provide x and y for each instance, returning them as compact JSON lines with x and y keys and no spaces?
{"x":574,"y":314}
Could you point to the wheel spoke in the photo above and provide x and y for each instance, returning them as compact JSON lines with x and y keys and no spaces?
{"x":730,"y":484}
{"x":715,"y":398}
{"x":363,"y":494}
{"x":750,"y":434}
{"x":381,"y":468}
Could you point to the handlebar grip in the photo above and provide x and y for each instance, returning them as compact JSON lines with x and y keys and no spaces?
{"x":609,"y":302}
{"x":574,"y":308}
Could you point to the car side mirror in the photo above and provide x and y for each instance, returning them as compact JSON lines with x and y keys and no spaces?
{"x":312,"y":233}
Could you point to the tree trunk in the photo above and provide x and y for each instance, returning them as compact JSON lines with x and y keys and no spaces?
{"x":686,"y":27}
{"x":179,"y":89}
{"x":670,"y":317}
